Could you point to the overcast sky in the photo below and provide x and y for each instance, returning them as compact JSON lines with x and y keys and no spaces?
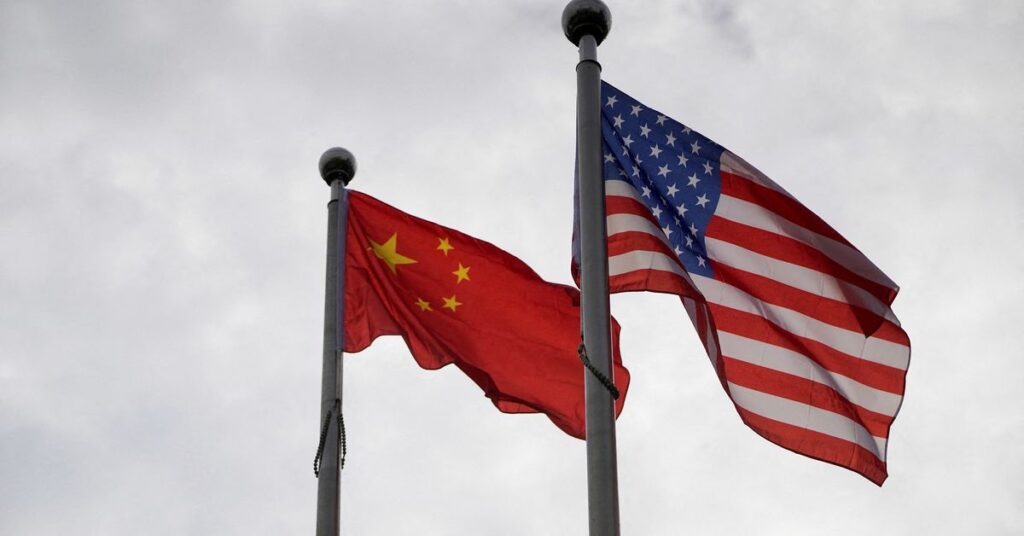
{"x":162,"y":228}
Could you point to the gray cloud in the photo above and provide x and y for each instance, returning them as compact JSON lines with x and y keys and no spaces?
{"x":163,"y":228}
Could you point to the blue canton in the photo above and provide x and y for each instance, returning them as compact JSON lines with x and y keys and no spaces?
{"x":675,"y":170}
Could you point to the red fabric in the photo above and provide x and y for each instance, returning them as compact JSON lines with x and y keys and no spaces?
{"x":514,"y":334}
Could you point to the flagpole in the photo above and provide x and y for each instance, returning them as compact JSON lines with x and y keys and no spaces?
{"x":586,"y":24}
{"x":337,"y":167}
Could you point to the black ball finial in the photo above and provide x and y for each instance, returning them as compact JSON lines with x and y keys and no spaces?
{"x":586,"y":17}
{"x":337,"y":163}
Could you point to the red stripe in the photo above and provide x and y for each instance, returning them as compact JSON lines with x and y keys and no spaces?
{"x":805,"y":391}
{"x":616,"y":204}
{"x":893,"y":333}
{"x":779,"y":203}
{"x":628,"y":241}
{"x":827,"y":310}
{"x":752,"y":326}
{"x":654,"y":281}
{"x":793,"y":251}
{"x":817,"y":445}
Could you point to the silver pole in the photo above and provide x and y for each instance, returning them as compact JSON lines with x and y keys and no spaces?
{"x":586,"y":24}
{"x":337,"y":167}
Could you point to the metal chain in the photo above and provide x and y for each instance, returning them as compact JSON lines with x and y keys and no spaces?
{"x":605,"y":381}
{"x":320,"y":446}
{"x":341,"y":435}
{"x":323,"y":439}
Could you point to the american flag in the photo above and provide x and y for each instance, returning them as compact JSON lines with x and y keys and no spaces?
{"x":796,"y":321}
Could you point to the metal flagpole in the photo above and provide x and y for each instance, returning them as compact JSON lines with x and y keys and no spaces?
{"x":586,"y":24}
{"x":337,"y":167}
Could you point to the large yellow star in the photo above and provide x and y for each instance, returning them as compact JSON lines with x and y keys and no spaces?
{"x":444,"y":245}
{"x":387,"y":252}
{"x":462,"y":274}
{"x":451,"y":303}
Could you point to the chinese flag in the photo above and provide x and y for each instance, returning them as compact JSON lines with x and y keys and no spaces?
{"x":459,"y":300}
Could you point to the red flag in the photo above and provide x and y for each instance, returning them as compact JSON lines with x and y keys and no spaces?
{"x":456,"y":299}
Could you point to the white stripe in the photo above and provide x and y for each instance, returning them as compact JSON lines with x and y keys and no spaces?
{"x":709,"y":336}
{"x":737,"y":166}
{"x":623,"y":223}
{"x":620,"y":188}
{"x":784,"y":360}
{"x":704,"y":329}
{"x":644,"y":260}
{"x":846,"y":341}
{"x":691,"y":310}
{"x":747,"y":213}
{"x":804,"y":416}
{"x":796,"y":276}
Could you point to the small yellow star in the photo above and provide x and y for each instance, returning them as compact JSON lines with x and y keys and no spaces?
{"x":444,"y":246}
{"x":462,"y":274}
{"x":451,"y":303}
{"x":388,"y":253}
{"x":424,"y":304}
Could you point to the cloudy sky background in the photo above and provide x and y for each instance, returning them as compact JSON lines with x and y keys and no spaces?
{"x":162,"y":226}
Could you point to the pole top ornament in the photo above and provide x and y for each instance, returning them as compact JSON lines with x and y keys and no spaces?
{"x":337,"y":163}
{"x":586,"y":17}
